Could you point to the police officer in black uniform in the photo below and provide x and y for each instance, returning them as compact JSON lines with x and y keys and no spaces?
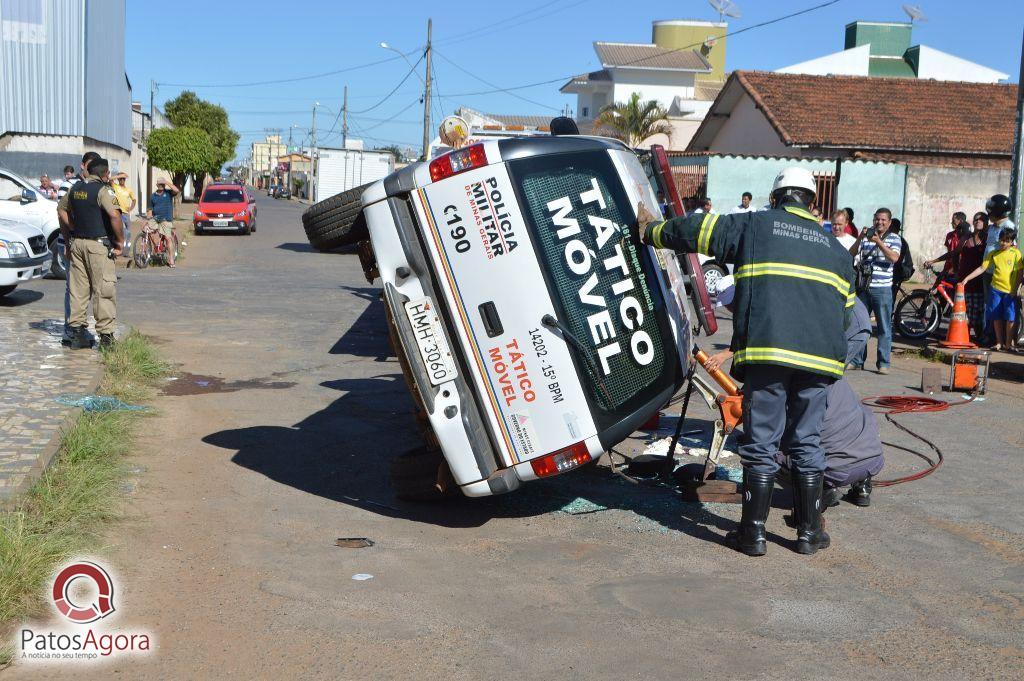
{"x":794,"y":292}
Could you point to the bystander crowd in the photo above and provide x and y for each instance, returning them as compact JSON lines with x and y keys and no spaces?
{"x":47,"y":188}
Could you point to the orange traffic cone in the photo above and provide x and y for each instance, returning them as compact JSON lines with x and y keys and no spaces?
{"x":958,"y":336}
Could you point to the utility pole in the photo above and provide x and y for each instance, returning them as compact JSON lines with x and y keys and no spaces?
{"x":149,"y":164}
{"x":312,"y":157}
{"x":1017,"y":172}
{"x":426,"y":96}
{"x":344,"y":121}
{"x":290,"y":128}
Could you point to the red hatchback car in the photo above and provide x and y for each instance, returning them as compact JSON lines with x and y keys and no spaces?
{"x":225,"y":207}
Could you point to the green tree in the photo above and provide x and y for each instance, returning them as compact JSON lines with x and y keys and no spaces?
{"x":189,"y":111}
{"x":183,"y":152}
{"x":634,"y":121}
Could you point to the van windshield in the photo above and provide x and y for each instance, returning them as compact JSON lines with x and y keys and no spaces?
{"x":603,"y":285}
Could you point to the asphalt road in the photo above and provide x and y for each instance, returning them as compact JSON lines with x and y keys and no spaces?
{"x":275,"y":441}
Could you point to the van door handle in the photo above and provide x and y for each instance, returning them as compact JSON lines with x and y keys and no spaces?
{"x":492,"y":322}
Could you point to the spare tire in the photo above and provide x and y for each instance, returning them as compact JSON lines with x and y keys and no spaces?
{"x":335,"y":221}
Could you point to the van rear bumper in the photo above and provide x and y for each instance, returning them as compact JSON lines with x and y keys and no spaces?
{"x":451,"y":408}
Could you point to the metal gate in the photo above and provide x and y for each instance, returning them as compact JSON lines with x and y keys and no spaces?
{"x":691,"y":180}
{"x":826,"y":194}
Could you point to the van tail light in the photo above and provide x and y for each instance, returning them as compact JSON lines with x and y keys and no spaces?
{"x":561,"y":461}
{"x":458,"y":161}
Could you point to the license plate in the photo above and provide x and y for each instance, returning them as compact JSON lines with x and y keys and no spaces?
{"x":437,"y":357}
{"x":220,"y":223}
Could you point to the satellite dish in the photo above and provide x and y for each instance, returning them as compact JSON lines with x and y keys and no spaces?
{"x":725,"y":8}
{"x":914,"y":12}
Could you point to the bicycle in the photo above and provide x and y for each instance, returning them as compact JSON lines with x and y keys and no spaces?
{"x":144,"y":252}
{"x":919,"y":313}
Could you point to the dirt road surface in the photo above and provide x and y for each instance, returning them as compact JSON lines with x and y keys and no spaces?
{"x":275,"y":439}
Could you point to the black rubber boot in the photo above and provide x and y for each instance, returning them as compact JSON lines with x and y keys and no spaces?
{"x":106,"y":340}
{"x":860,"y":493}
{"x":80,"y":339}
{"x":807,"y":507}
{"x":749,"y":536}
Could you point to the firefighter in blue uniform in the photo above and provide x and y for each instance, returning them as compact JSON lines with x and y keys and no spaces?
{"x":794,"y":294}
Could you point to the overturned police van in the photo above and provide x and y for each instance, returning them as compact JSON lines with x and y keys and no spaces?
{"x":535,"y":332}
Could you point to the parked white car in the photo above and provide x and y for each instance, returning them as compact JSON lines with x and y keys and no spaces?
{"x":534,"y":330}
{"x":21,"y":201}
{"x":23,"y":254}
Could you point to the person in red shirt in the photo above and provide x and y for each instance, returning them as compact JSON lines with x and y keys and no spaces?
{"x":965,"y":248}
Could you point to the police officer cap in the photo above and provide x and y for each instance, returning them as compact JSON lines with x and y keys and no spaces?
{"x":97,"y":165}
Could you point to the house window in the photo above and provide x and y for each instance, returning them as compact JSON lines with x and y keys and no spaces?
{"x":586,"y":111}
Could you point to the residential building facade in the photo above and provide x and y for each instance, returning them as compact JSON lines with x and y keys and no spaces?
{"x":922,"y":148}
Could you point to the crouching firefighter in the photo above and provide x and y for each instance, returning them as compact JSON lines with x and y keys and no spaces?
{"x":794,"y":292}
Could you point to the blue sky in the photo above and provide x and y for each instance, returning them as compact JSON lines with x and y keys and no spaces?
{"x":191,"y":43}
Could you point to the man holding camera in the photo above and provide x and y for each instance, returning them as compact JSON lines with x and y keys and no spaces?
{"x":94,"y":218}
{"x":879,"y":250}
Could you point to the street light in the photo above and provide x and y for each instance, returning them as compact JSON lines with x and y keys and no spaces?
{"x":403,"y":56}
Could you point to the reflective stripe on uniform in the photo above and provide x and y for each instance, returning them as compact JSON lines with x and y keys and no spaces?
{"x":795,"y":210}
{"x":707,"y":226}
{"x":656,"y":234}
{"x":783,"y":269}
{"x":789,"y":357}
{"x":851,"y":299}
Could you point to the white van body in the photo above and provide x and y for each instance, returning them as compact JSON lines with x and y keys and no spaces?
{"x":471,"y":265}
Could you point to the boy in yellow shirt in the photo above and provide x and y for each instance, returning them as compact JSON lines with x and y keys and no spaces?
{"x":1006,"y":264}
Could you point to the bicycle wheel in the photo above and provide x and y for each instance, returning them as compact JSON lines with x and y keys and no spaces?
{"x":140,"y":251}
{"x":917,"y":315}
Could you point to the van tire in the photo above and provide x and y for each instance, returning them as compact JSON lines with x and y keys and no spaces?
{"x":713,"y":274}
{"x":336,"y":221}
{"x":415,"y":475}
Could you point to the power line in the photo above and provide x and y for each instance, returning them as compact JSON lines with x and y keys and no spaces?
{"x":285,"y":80}
{"x":437,"y":92}
{"x":487,"y":82}
{"x":498,"y":26}
{"x":653,"y":56}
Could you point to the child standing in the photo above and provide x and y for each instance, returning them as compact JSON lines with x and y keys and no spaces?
{"x":1007,"y":264}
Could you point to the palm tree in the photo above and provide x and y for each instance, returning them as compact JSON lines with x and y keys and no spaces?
{"x":634,"y":121}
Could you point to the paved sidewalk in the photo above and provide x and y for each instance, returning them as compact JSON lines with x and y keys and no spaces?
{"x":34,"y":370}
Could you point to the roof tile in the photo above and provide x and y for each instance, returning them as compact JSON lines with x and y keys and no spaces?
{"x":647,"y":56}
{"x":858,"y":112}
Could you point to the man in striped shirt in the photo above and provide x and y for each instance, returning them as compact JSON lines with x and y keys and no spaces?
{"x":881,"y":248}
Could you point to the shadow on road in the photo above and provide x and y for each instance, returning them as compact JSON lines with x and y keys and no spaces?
{"x":20,"y":297}
{"x":297,"y":247}
{"x":368,"y":335}
{"x":343,"y":453}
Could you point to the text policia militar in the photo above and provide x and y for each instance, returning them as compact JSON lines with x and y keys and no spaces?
{"x":581,"y":261}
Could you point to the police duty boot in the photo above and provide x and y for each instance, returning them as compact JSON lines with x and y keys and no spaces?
{"x":860,"y":493}
{"x":106,"y":340}
{"x":749,"y":536}
{"x":807,"y":493}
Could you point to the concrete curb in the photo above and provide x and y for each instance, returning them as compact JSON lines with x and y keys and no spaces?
{"x":10,"y":496}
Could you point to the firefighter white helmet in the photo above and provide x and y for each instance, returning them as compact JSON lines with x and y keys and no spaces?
{"x":795,"y":178}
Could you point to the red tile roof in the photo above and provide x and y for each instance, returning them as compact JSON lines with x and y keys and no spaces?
{"x":895,"y":114}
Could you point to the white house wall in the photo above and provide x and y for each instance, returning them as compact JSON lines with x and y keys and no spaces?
{"x":663,"y":86}
{"x":748,"y":132}
{"x":852,"y":62}
{"x":943,"y":66}
{"x":934,"y":194}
